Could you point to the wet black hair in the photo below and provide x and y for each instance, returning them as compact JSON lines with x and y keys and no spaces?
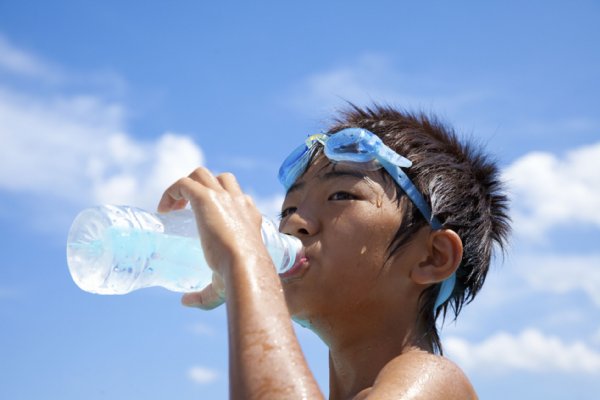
{"x":461,"y":183}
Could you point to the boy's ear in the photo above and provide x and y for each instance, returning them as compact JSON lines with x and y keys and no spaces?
{"x":444,"y":254}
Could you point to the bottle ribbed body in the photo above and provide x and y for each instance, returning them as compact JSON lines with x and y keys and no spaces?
{"x":118,"y":249}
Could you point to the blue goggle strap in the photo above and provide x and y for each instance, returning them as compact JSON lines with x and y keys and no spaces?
{"x":447,"y":286}
{"x":411,"y":191}
{"x":445,"y":290}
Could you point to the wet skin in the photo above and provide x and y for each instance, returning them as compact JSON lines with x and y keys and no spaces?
{"x":360,"y":300}
{"x":346,"y":220}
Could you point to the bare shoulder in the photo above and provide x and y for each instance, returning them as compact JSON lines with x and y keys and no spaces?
{"x":421,"y":375}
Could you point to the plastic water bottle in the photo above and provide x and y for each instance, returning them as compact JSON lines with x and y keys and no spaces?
{"x":118,"y":249}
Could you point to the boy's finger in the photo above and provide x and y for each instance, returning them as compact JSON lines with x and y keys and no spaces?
{"x":206,"y":299}
{"x":172,"y":197}
{"x":178,"y":194}
{"x":229,"y":183}
{"x":204,"y":176}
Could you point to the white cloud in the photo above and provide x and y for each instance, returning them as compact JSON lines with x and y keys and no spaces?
{"x":549,"y":191}
{"x":75,"y":148}
{"x":142,"y":171}
{"x":46,"y":145}
{"x":530,"y":350}
{"x":560,"y":274}
{"x":202,"y":375}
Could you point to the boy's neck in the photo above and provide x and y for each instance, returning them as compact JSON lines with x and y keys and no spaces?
{"x":355,"y":361}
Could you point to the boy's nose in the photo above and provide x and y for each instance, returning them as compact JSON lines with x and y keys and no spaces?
{"x":300,"y":225}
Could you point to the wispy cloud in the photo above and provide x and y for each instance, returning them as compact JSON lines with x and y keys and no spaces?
{"x":202,"y":375}
{"x":202,"y":329}
{"x":20,"y":62}
{"x":75,"y":147}
{"x":531,"y":350}
{"x":561,"y":126}
{"x":24,"y":67}
{"x":550,"y":190}
{"x":247,"y":163}
{"x":561,"y":274}
{"x":8,"y":292}
{"x":373,"y":77}
{"x":596,"y":337}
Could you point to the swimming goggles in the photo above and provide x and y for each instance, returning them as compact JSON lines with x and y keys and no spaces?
{"x":366,"y":150}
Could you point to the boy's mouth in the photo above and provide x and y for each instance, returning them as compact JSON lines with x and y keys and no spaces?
{"x":297,"y":269}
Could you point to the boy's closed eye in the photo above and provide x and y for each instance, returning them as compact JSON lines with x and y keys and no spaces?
{"x":337,"y":196}
{"x":286,"y":212}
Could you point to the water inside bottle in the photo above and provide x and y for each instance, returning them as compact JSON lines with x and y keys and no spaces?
{"x":125,"y":259}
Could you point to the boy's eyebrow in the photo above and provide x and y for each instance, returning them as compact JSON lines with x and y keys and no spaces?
{"x":327,"y":176}
{"x":296,"y":186}
{"x":342,"y":174}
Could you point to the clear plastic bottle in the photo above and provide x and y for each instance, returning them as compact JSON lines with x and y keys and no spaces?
{"x":118,"y":249}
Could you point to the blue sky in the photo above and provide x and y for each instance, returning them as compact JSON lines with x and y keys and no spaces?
{"x":108,"y":102}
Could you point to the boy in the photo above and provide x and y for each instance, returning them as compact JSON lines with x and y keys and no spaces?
{"x":395,"y":235}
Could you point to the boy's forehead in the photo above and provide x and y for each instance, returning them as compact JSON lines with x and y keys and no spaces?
{"x":323,"y":170}
{"x":319,"y":166}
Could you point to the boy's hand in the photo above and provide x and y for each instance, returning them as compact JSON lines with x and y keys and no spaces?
{"x":228,"y":223}
{"x":212,"y":296}
{"x":266,"y":358}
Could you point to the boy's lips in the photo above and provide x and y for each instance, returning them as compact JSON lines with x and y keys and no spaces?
{"x":297,"y":270}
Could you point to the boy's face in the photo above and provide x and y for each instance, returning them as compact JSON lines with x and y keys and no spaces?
{"x":346,"y":219}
